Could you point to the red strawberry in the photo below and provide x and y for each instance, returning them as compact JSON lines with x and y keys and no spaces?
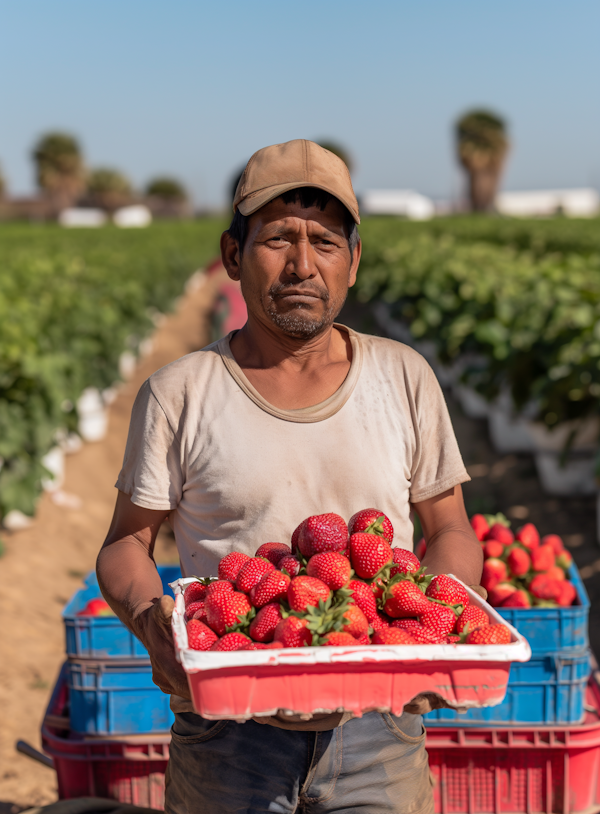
{"x":564,"y":560}
{"x":200,"y":637}
{"x":293,"y":632}
{"x":421,"y":548}
{"x":273,"y":552}
{"x":473,"y":617}
{"x":490,"y":634}
{"x":438,"y":618}
{"x":448,"y":590}
{"x":372,"y":521}
{"x":378,"y":586}
{"x":493,"y":548}
{"x":356,"y":622}
{"x":322,"y":532}
{"x":272,"y":587}
{"x":529,"y":536}
{"x":543,"y":587}
{"x":230,"y":565}
{"x":555,"y":541}
{"x":331,"y":567}
{"x":568,"y":594}
{"x":494,"y":571}
{"x":252,"y":572}
{"x":404,"y":561}
{"x":368,"y":554}
{"x":363,"y":596}
{"x":420,"y":633}
{"x":391,"y":635}
{"x":556,"y":572}
{"x":518,"y":561}
{"x":404,"y":599}
{"x":195,"y":592}
{"x":543,"y":558}
{"x":518,"y":599}
{"x":296,"y":537}
{"x":219,"y":586}
{"x":364,"y":639}
{"x":290,"y":564}
{"x":500,"y":592}
{"x":380,"y":622}
{"x":225,"y":609}
{"x":452,"y":639}
{"x":193,"y":608}
{"x":338,"y":638}
{"x":501,"y":533}
{"x":231,"y":641}
{"x":254,"y":646}
{"x":262,"y":627}
{"x":480,"y":526}
{"x":305,"y":591}
{"x":200,"y":615}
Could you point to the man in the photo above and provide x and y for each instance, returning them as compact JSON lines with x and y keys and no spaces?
{"x":292,"y":415}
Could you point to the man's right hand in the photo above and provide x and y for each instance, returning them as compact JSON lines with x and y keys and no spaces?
{"x":154,"y":625}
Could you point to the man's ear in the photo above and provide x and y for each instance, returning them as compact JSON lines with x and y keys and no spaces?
{"x":355,"y":264}
{"x":230,"y":256}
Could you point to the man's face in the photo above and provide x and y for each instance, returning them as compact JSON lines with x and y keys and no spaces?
{"x":296,"y":267}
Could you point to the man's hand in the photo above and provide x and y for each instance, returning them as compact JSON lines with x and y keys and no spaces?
{"x":422,"y":704}
{"x":155,"y":632}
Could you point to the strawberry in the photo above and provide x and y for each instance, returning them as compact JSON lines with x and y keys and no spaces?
{"x":518,"y":561}
{"x":200,"y":615}
{"x":555,"y":541}
{"x":364,"y":639}
{"x":529,"y":536}
{"x":452,"y":639}
{"x":293,"y":632}
{"x":420,"y":549}
{"x":439,"y":618}
{"x":289,"y":564}
{"x":273,"y":552}
{"x":568,"y":594}
{"x":219,"y":586}
{"x":200,"y":636}
{"x":193,"y":608}
{"x":380,"y":622}
{"x":378,"y":586}
{"x":322,"y":532}
{"x":230,"y":565}
{"x":420,"y":633}
{"x":494,"y":571}
{"x":543,"y":558}
{"x":356,"y":622}
{"x":480,"y":526}
{"x":272,"y":587}
{"x":262,"y":627}
{"x":296,"y":537}
{"x":231,"y":641}
{"x":556,"y":572}
{"x":564,"y":560}
{"x":500,"y":592}
{"x":373,"y":522}
{"x":518,"y":599}
{"x":501,"y":533}
{"x":404,"y":599}
{"x":97,"y":607}
{"x":473,"y":617}
{"x":391,"y":635}
{"x":338,"y":638}
{"x":448,"y":590}
{"x":404,"y":561}
{"x":305,"y":591}
{"x":195,"y":592}
{"x":362,"y":595}
{"x":490,"y":634}
{"x":224,"y":609}
{"x":368,"y":554}
{"x":543,"y":587}
{"x":331,"y":567}
{"x":251,"y":573}
{"x":493,"y":548}
{"x":254,"y":646}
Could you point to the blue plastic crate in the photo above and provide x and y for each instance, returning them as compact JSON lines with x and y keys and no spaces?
{"x":554,"y":629}
{"x":101,"y":637}
{"x":549,"y":689}
{"x":116,"y":698}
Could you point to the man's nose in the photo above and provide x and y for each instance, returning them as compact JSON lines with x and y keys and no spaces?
{"x":301,"y":260}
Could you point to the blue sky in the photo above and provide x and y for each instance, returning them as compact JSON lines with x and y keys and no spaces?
{"x":192,"y":89}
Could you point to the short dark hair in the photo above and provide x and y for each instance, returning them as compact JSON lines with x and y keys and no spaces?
{"x":306,"y":197}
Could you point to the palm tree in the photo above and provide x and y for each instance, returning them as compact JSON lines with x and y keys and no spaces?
{"x":166,"y":189}
{"x":60,"y":169}
{"x":108,"y":189}
{"x":482,"y":146}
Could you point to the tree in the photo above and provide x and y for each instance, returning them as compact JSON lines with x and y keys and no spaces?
{"x":2,"y":185}
{"x":166,"y":189}
{"x":482,"y":145}
{"x":338,"y":150}
{"x":59,"y":168}
{"x":109,"y":189}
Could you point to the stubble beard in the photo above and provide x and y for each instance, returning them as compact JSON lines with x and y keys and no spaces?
{"x":298,"y":321}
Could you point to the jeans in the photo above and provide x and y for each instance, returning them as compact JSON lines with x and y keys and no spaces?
{"x":376,"y":764}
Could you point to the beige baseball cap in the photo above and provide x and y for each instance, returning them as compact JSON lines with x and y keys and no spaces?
{"x":298,"y":163}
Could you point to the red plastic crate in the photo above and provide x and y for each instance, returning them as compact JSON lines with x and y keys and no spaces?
{"x":130,"y":769}
{"x":549,"y":770}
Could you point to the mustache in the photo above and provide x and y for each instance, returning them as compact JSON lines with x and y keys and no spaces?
{"x":312,"y":290}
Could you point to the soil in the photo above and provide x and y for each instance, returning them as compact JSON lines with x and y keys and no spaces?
{"x":48,"y":560}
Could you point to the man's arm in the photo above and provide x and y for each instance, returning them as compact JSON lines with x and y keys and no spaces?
{"x":130,"y":584}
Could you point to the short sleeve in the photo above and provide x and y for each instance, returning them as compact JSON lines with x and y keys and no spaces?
{"x":437,"y":464}
{"x":152,"y":471}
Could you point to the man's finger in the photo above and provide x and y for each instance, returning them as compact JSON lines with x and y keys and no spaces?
{"x":164,"y":610}
{"x":479,"y":589}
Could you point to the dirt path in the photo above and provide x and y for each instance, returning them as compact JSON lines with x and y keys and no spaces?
{"x":43,"y":565}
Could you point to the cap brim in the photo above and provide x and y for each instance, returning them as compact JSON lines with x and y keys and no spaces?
{"x":256,"y":200}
